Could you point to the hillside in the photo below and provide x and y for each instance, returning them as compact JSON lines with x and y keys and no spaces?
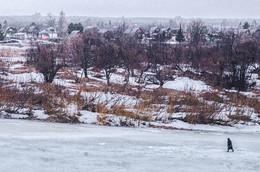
{"x":185,"y":100}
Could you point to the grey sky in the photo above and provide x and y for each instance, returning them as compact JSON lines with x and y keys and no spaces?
{"x":136,"y":8}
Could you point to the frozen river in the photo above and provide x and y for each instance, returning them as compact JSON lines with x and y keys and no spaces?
{"x":28,"y":146}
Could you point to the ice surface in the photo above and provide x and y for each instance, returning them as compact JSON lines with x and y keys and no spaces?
{"x":33,"y":146}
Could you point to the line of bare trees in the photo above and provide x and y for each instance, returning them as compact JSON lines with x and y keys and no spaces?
{"x":229,"y":64}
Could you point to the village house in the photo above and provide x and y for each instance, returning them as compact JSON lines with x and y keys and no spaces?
{"x":49,"y":33}
{"x":23,"y":30}
{"x":256,"y":36}
{"x":20,"y":36}
{"x":173,"y":35}
{"x":154,"y":33}
{"x":246,"y":33}
{"x":33,"y":32}
{"x":90,"y":29}
{"x":137,"y":33}
{"x":165,"y":34}
{"x":9,"y":32}
{"x":107,"y":34}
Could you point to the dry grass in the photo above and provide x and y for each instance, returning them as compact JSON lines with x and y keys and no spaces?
{"x":240,"y":116}
{"x":5,"y":52}
{"x":13,"y":99}
{"x":212,"y":96}
{"x":54,"y":100}
{"x":241,"y":100}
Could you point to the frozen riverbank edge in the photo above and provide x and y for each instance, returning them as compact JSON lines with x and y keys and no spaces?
{"x":175,"y":125}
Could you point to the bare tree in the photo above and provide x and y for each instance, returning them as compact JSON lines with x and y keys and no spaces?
{"x":237,"y":57}
{"x":243,"y":59}
{"x":46,"y":59}
{"x":84,"y":50}
{"x":107,"y":58}
{"x":196,"y":30}
{"x":160,"y":56}
{"x":129,"y":52}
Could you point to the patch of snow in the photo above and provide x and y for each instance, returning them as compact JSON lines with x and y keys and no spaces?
{"x":39,"y":114}
{"x":187,"y":84}
{"x":119,"y":79}
{"x":91,"y":84}
{"x":254,"y":78}
{"x":152,"y":86}
{"x":14,"y":67}
{"x":237,"y":128}
{"x":249,"y":94}
{"x":25,"y":77}
{"x":88,"y":117}
{"x":18,"y":116}
{"x":14,"y":59}
{"x":65,"y":83}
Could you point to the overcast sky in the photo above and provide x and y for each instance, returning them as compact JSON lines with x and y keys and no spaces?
{"x":136,"y":8}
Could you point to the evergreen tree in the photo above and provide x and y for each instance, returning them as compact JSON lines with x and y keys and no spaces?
{"x":80,"y":27}
{"x":246,"y":25}
{"x":33,"y":24}
{"x":1,"y":33}
{"x":70,"y":28}
{"x":180,"y":36}
{"x":76,"y":26}
{"x":5,"y":25}
{"x":2,"y":37}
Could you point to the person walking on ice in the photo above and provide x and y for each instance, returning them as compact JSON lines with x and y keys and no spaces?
{"x":229,"y":145}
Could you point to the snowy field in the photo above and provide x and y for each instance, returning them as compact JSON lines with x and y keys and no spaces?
{"x":29,"y":146}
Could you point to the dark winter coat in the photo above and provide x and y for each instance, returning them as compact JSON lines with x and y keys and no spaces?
{"x":229,"y":143}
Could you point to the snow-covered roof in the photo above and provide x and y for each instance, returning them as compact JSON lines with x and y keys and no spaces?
{"x":102,"y":31}
{"x":23,"y":29}
{"x":32,"y":28}
{"x":127,"y":31}
{"x":17,"y":34}
{"x":74,"y":32}
{"x":49,"y":30}
{"x":155,"y":29}
{"x":89,"y":28}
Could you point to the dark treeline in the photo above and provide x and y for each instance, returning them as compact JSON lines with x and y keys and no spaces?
{"x":227,"y":64}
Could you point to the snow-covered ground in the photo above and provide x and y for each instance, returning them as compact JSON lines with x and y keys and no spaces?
{"x":34,"y":146}
{"x":187,"y":84}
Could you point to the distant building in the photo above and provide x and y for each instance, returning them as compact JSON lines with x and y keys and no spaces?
{"x":23,"y":30}
{"x":137,"y":33}
{"x":20,"y":36}
{"x":154,"y":33}
{"x":165,"y":34}
{"x":256,"y":36}
{"x":9,"y":32}
{"x":90,"y":29}
{"x":33,"y":32}
{"x":245,"y":33}
{"x":49,"y":33}
{"x":107,"y":34}
{"x":173,"y":34}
